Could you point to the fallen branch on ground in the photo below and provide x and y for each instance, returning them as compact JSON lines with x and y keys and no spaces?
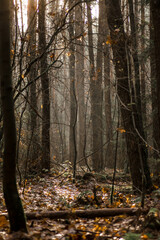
{"x":107,"y":212}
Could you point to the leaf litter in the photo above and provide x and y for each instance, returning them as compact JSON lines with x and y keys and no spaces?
{"x":55,"y":192}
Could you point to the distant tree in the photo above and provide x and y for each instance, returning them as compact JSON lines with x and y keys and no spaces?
{"x":96,"y":98}
{"x":108,"y":161}
{"x":32,"y":21}
{"x":12,"y":199}
{"x":45,"y":87}
{"x":73,"y":100}
{"x":79,"y":34}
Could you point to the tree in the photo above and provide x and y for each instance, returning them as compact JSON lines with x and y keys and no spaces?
{"x":96,"y":99}
{"x":155,"y":134}
{"x":155,"y":13}
{"x":12,"y":199}
{"x":79,"y":34}
{"x":32,"y":17}
{"x":73,"y":100}
{"x":45,"y":87}
{"x":107,"y":88}
{"x":135,"y":146}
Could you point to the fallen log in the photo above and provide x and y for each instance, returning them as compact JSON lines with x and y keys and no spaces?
{"x":90,"y":214}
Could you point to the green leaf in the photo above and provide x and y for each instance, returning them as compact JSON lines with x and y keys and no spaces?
{"x":132,"y":236}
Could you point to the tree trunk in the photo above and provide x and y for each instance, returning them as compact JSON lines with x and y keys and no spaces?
{"x":107,"y":93}
{"x":155,"y":13}
{"x":73,"y":101}
{"x":79,"y":30}
{"x":45,"y":88}
{"x":34,"y":154}
{"x":143,"y":84}
{"x":138,"y":103}
{"x":118,"y":42}
{"x":98,"y":86}
{"x":96,"y":108}
{"x":12,"y":199}
{"x":155,"y":134}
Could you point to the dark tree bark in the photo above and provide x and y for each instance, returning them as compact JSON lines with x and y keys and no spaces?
{"x":73,"y":100}
{"x":138,"y":166}
{"x":155,"y":134}
{"x":143,"y":83}
{"x":45,"y":88}
{"x":155,"y":13}
{"x":12,"y":199}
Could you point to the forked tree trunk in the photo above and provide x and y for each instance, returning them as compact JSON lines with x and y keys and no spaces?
{"x":12,"y":199}
{"x":138,"y":167}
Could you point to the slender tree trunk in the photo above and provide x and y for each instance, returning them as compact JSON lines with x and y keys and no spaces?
{"x":34,"y":154}
{"x":96,"y":108}
{"x":79,"y":30}
{"x":73,"y":101}
{"x":107,"y":93}
{"x":134,"y":151}
{"x":155,"y":134}
{"x":12,"y":199}
{"x":143,"y":85}
{"x":98,"y":85}
{"x":45,"y":88}
{"x":155,"y":13}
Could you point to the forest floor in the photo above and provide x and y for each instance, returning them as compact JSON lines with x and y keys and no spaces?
{"x":57,"y":192}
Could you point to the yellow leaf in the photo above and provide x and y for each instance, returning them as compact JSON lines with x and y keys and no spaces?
{"x":41,"y":106}
{"x":151,"y":174}
{"x":52,"y":56}
{"x":144,"y":236}
{"x":121,"y":130}
{"x":3,"y":221}
{"x":22,"y":76}
{"x":68,"y":54}
{"x":156,"y":186}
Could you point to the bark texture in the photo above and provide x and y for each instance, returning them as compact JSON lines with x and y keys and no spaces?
{"x":73,"y":100}
{"x":79,"y":31}
{"x":90,"y":214}
{"x":129,"y":114}
{"x":45,"y":88}
{"x":155,"y":13}
{"x":32,"y":16}
{"x":12,"y":199}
